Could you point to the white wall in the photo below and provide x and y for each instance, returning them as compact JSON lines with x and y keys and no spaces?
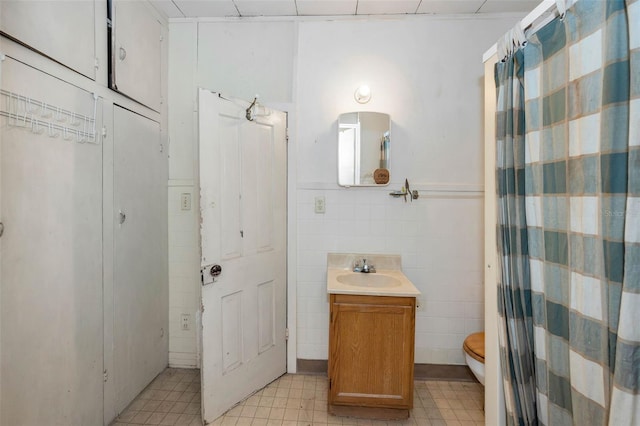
{"x":425,"y":72}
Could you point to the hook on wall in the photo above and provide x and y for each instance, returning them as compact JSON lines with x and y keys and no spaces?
{"x":249,"y":112}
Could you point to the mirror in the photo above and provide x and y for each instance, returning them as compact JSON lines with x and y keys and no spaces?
{"x":363,"y":149}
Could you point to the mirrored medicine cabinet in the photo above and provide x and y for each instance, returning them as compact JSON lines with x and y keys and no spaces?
{"x":363,"y":149}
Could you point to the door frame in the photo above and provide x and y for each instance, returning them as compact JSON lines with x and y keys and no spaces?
{"x":292,"y":233}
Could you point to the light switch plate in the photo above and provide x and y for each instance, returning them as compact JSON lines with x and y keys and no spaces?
{"x":185,"y":201}
{"x":319,"y":204}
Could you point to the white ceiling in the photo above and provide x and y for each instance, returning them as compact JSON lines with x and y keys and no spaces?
{"x":237,"y":8}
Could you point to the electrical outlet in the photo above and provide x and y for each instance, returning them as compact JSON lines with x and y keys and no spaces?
{"x":185,"y":321}
{"x":185,"y":201}
{"x":319,"y":205}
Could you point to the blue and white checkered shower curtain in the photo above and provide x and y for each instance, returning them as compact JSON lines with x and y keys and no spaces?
{"x":569,"y":210}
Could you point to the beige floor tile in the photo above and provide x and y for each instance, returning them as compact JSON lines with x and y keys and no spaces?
{"x":456,"y":404}
{"x":230,"y":421}
{"x":276,"y":413}
{"x":173,"y":396}
{"x":140,"y":418}
{"x":248,"y":411}
{"x":253,"y":400}
{"x":266,"y":401}
{"x":185,"y":419}
{"x":155,"y":418}
{"x":280,"y":403}
{"x":170,"y":419}
{"x":178,"y":407}
{"x":442,"y":403}
{"x":269,"y":391}
{"x":476,"y":415}
{"x":235,"y":411}
{"x":193,"y":408}
{"x":294,"y":403}
{"x":301,"y":400}
{"x":165,"y":406}
{"x":448,"y":414}
{"x":462,"y":415}
{"x":126,"y":416}
{"x":262,"y":412}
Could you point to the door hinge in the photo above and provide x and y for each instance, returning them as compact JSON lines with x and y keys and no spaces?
{"x":105,"y":375}
{"x":104,"y":131}
{"x":286,"y":334}
{"x":286,"y":132}
{"x":96,"y":63}
{"x":241,"y":233}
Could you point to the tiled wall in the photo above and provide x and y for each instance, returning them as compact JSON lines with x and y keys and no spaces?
{"x":440,"y":240}
{"x":184,"y":277}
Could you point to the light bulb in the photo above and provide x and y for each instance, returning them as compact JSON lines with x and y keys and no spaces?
{"x":363,"y":94}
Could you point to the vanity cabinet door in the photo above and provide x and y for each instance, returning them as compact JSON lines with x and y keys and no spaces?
{"x":371,"y":351}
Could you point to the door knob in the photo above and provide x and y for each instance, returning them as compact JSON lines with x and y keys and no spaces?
{"x":215,"y":270}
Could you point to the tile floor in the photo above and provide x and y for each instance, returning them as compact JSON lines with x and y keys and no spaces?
{"x":173,"y":398}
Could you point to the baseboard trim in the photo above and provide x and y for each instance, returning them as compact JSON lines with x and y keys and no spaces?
{"x":312,"y":366}
{"x":460,"y":373}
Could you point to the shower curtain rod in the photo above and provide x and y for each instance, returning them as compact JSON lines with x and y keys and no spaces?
{"x":536,"y":19}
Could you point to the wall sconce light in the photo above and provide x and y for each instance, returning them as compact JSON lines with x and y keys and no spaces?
{"x":363,"y":94}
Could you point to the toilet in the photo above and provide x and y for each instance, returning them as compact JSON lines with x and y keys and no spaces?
{"x":474,"y":354}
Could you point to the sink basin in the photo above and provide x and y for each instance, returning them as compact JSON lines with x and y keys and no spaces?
{"x":368,"y":280}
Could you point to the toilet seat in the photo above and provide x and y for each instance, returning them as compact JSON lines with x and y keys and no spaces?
{"x":474,"y":346}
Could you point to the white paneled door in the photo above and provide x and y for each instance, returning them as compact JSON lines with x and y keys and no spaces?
{"x":243,"y":238}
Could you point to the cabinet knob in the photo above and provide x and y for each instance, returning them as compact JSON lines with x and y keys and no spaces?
{"x":122,"y":53}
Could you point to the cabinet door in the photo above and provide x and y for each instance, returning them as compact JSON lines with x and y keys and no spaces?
{"x":136,"y":52}
{"x":51,"y":267}
{"x":62,"y":30}
{"x":140,"y":288}
{"x":371,"y":345}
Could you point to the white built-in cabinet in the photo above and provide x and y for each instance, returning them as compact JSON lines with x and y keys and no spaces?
{"x":83,"y":297}
{"x":61,"y":30}
{"x":140,"y":285}
{"x":136,"y":52}
{"x":51,"y":287}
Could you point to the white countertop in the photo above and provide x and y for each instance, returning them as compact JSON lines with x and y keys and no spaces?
{"x":405,"y":289}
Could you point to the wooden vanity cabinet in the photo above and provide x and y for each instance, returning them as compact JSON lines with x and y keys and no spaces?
{"x":371,"y":355}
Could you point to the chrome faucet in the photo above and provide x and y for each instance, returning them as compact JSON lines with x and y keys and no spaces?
{"x":367,"y":268}
{"x":364,"y":268}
